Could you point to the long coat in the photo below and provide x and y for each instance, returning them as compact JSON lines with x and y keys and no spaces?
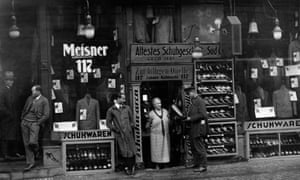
{"x":198,"y":114}
{"x":120,"y":121}
{"x":92,"y":114}
{"x":9,"y":122}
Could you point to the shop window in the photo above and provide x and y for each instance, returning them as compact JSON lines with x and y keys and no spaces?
{"x":267,"y":88}
{"x":81,"y":66}
{"x":153,"y":24}
{"x":203,"y":21}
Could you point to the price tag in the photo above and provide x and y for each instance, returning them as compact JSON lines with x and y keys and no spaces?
{"x":254,"y":73}
{"x":97,"y":73}
{"x":296,"y":56}
{"x":103,"y":125}
{"x":264,"y":63}
{"x":264,"y":112}
{"x":279,"y":61}
{"x":257,"y":103}
{"x":122,"y":88}
{"x":293,"y":96}
{"x":273,"y":71}
{"x":84,"y":77}
{"x":70,"y":74}
{"x":292,"y":70}
{"x":56,"y":84}
{"x":82,"y":114}
{"x":58,"y":108}
{"x":111,"y":83}
{"x":294,"y":82}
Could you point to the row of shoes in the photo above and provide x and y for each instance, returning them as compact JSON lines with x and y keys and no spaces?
{"x":220,"y":151}
{"x":216,"y":89}
{"x":214,"y":67}
{"x":263,"y":154}
{"x":213,"y":76}
{"x":290,"y":152}
{"x":219,"y":141}
{"x":222,"y":100}
{"x":265,"y":142}
{"x":213,"y":114}
{"x":223,"y":129}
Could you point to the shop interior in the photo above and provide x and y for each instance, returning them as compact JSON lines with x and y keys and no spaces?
{"x":170,"y":93}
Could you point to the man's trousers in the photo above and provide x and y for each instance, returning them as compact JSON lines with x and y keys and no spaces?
{"x":30,"y":133}
{"x":199,"y":151}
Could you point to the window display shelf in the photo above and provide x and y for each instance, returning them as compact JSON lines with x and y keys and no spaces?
{"x":273,"y":142}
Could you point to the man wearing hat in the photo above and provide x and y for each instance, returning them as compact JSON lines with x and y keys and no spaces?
{"x":9,"y":123}
{"x":197,"y":116}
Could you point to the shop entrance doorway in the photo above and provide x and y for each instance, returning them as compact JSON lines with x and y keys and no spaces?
{"x":169,"y":92}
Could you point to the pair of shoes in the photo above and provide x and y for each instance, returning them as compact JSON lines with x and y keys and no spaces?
{"x":29,"y":167}
{"x":201,"y":169}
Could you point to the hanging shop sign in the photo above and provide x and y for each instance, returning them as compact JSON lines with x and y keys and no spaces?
{"x":86,"y":135}
{"x":272,"y":124}
{"x":158,"y":73}
{"x":162,"y":53}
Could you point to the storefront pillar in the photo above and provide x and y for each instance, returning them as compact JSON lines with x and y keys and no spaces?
{"x":45,"y":61}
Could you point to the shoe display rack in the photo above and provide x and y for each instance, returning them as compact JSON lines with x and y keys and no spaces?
{"x":222,"y":139}
{"x":214,"y":81}
{"x":85,"y":157}
{"x":274,"y":144}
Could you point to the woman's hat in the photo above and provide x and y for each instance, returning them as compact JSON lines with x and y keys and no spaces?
{"x":9,"y":75}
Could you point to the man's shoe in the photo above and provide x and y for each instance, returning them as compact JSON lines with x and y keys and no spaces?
{"x":195,"y":166}
{"x":201,"y":169}
{"x":127,"y":172}
{"x":29,"y":167}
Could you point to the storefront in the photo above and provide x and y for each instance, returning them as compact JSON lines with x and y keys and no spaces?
{"x":76,"y":49}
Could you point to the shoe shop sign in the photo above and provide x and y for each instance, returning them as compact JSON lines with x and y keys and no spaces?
{"x":86,"y":135}
{"x":163,"y":53}
{"x":272,"y":124}
{"x":158,"y":73}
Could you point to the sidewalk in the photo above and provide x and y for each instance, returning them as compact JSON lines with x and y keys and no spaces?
{"x":260,"y":169}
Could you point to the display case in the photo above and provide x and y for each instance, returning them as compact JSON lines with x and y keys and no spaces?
{"x":214,"y":81}
{"x":222,"y":139}
{"x":85,"y":152}
{"x":273,"y":138}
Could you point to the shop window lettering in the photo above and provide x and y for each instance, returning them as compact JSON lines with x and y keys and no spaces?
{"x":84,"y":65}
{"x":83,"y":50}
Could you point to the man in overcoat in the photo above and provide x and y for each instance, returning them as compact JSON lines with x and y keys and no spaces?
{"x":120,"y":121}
{"x":9,"y":122}
{"x":197,"y":116}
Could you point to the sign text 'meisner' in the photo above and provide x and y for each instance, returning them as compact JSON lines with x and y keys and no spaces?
{"x":82,"y":50}
{"x":272,"y":124}
{"x":87,"y":135}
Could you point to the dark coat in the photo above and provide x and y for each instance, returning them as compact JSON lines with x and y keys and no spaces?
{"x":42,"y":109}
{"x":198,"y":114}
{"x":93,"y":114}
{"x":120,"y":121}
{"x":9,"y":121}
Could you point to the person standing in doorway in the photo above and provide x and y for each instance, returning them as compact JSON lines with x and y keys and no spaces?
{"x":197,"y":116}
{"x":119,"y":119}
{"x":159,"y":133}
{"x":35,"y":112}
{"x":9,"y":122}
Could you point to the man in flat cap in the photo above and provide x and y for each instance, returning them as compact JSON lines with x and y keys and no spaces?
{"x":9,"y":122}
{"x":197,"y":116}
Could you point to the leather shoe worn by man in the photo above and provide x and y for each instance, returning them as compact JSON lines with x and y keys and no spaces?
{"x":201,"y":169}
{"x":29,"y":167}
